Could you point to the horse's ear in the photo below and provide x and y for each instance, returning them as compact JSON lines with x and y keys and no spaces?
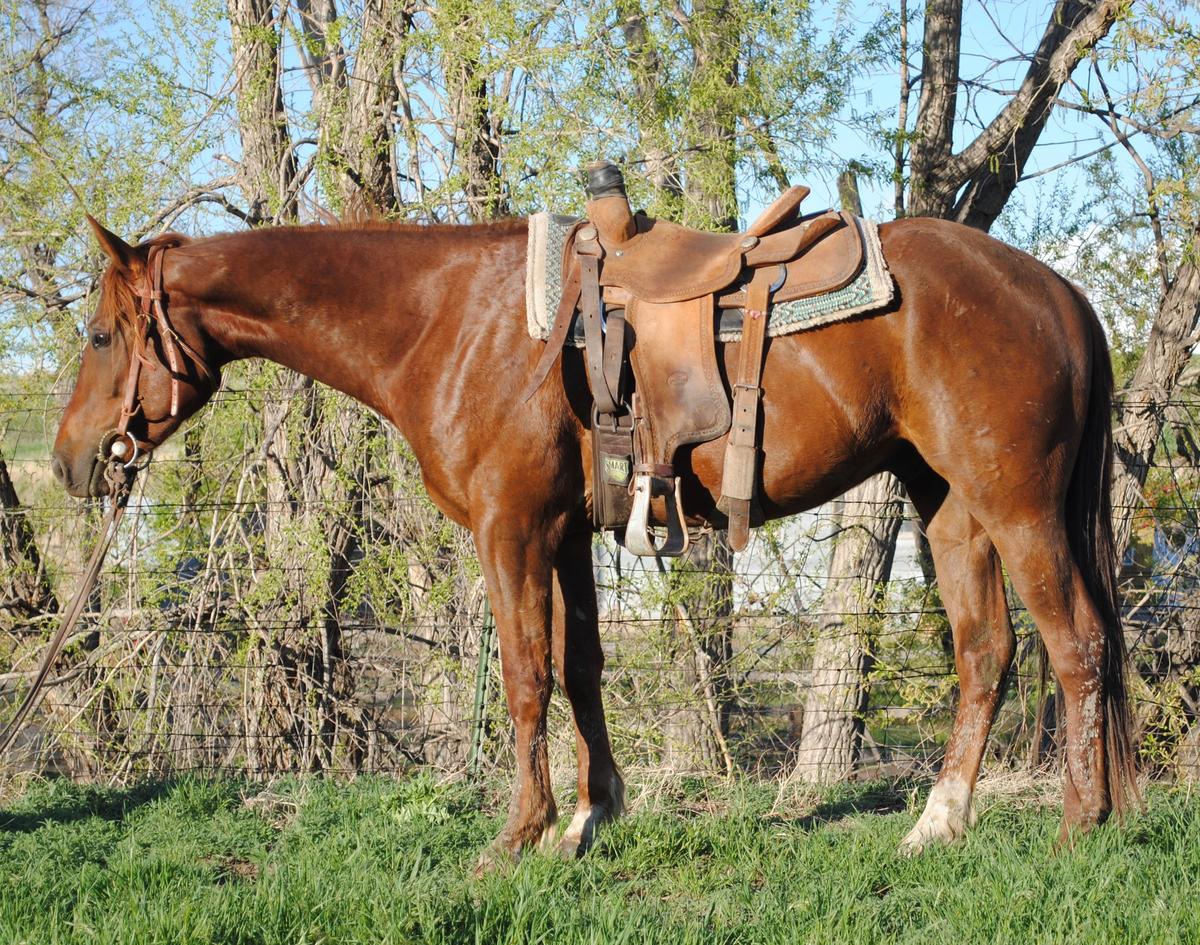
{"x":120,"y":252}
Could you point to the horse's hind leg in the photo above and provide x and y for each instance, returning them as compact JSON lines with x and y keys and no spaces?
{"x":1045,"y":575}
{"x":972,"y":589}
{"x":579,"y":659}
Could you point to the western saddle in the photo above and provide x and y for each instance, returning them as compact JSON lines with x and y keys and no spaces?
{"x":650,"y":294}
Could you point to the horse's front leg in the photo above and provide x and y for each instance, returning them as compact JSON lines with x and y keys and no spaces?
{"x":580,"y":660}
{"x":516,"y":565}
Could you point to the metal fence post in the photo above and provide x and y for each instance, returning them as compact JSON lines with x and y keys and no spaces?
{"x":479,"y":716}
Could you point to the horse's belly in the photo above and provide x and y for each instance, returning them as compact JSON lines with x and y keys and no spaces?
{"x":827,"y":418}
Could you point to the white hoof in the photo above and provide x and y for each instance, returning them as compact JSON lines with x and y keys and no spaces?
{"x":581,"y":832}
{"x":949,"y":813}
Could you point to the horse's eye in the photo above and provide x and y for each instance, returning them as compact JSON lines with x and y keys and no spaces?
{"x":100,"y":339}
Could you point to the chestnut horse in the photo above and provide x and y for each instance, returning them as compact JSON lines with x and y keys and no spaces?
{"x":985,"y":387}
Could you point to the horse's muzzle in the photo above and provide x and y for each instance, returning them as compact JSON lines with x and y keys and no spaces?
{"x":83,"y":478}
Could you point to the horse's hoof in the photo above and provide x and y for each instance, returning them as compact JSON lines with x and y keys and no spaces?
{"x":935,"y":828}
{"x":581,"y":832}
{"x":948,"y":814}
{"x":913,"y":844}
{"x":507,"y":849}
{"x":1071,"y":831}
{"x":497,"y":858}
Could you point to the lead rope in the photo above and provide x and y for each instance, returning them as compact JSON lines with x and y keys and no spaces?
{"x":119,"y":481}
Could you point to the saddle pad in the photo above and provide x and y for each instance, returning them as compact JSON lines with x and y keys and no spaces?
{"x":548,"y":232}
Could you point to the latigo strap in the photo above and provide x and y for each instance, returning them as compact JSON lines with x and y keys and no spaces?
{"x":741,"y":451}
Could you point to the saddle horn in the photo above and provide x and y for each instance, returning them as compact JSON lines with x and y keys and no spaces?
{"x":608,"y":206}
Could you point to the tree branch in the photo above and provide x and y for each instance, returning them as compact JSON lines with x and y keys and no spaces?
{"x":1059,"y":53}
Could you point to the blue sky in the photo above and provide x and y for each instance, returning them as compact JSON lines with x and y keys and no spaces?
{"x":994,"y":34}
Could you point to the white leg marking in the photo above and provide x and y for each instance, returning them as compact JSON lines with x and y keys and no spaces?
{"x":582,"y":824}
{"x":546,"y":840}
{"x":949,"y":812}
{"x":582,"y":830}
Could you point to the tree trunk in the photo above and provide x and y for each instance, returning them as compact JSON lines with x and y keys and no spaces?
{"x":1188,"y":764}
{"x":356,"y":136}
{"x":859,"y":569}
{"x":301,"y":685}
{"x":661,"y":164}
{"x":711,"y":183}
{"x":25,"y":590}
{"x":860,"y":566}
{"x":1141,"y":408}
{"x":701,"y":581}
{"x":367,"y":139}
{"x":298,"y":682}
{"x":701,"y":646}
{"x":268,"y":165}
{"x":936,"y":108}
{"x":973,"y":185}
{"x":476,"y":137}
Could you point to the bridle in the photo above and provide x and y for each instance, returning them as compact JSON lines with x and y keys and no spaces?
{"x":118,"y":472}
{"x":152,"y":311}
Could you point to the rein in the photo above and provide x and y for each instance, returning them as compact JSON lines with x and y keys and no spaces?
{"x":120,"y":480}
{"x":119,"y":472}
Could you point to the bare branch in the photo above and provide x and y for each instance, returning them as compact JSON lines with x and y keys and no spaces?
{"x":1055,"y":60}
{"x":1148,"y":183}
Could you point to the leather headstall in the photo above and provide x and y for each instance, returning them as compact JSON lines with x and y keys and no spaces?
{"x":152,"y":313}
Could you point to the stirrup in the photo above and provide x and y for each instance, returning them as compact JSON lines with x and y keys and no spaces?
{"x":639,"y":536}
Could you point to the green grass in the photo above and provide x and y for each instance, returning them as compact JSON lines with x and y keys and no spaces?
{"x":384,"y":861}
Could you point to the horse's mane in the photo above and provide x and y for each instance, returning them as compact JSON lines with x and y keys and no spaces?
{"x":503,"y":225}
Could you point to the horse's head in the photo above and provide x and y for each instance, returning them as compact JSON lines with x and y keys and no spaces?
{"x":145,"y":367}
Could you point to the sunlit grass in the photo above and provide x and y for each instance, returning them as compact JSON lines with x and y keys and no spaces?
{"x":378,"y":860}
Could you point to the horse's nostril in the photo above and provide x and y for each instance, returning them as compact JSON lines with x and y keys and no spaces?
{"x":59,"y":469}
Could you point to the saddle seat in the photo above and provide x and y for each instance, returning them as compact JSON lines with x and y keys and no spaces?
{"x":821,"y":253}
{"x":667,"y":284}
{"x":666,"y":262}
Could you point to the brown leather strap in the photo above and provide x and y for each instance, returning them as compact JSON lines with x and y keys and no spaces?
{"x":661,"y":470}
{"x":614,"y":352}
{"x":741,"y":452}
{"x":593,"y":332}
{"x":153,"y":307}
{"x":119,"y":481}
{"x":558,"y":334}
{"x":754,"y":329}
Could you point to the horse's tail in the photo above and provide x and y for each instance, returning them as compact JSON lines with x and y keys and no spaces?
{"x":1090,"y":531}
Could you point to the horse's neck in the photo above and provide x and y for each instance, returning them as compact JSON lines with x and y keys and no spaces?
{"x":352,"y":309}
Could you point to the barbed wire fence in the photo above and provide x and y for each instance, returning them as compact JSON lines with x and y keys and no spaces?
{"x":248,"y":628}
